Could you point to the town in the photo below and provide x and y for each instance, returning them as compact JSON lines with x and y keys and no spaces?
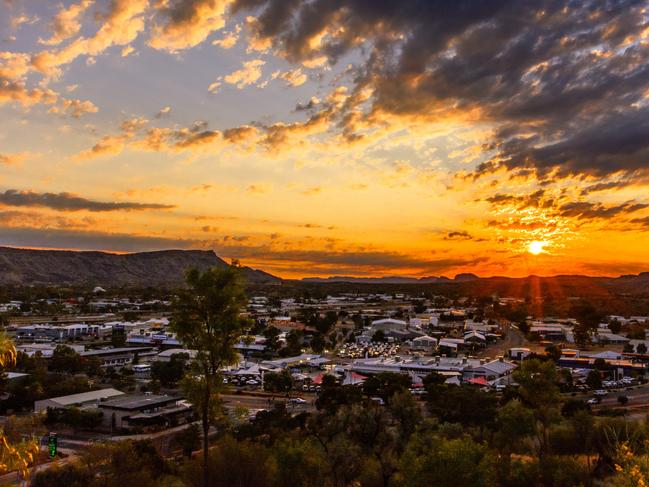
{"x":108,"y":366}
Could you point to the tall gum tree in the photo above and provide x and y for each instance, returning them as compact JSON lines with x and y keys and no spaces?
{"x":207,"y":318}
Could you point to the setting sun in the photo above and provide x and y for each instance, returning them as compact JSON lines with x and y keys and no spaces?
{"x":536,"y":247}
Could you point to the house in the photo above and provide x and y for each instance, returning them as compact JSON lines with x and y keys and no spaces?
{"x":144,"y":411}
{"x":518,"y":353}
{"x":549,"y":331}
{"x":491,"y":371}
{"x":84,"y":400}
{"x":612,"y":338}
{"x":425,"y":343}
{"x":475,"y":338}
{"x":450,"y":345}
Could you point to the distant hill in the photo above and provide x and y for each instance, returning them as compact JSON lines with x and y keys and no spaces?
{"x":61,"y":267}
{"x":558,"y":287}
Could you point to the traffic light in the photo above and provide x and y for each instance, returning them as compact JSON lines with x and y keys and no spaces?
{"x":52,"y":444}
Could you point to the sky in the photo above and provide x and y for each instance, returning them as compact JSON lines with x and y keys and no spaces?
{"x":331,"y":137}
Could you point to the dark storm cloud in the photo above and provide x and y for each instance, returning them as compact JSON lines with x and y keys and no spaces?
{"x":458,"y":235}
{"x":583,"y":209}
{"x":644,"y":222}
{"x":70,"y":202}
{"x":564,"y":81}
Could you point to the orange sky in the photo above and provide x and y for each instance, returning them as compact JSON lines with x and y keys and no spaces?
{"x":351,"y":138}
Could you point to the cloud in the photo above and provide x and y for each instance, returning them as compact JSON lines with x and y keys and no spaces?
{"x":562,"y":84}
{"x":229,"y":39}
{"x":108,"y":145}
{"x":458,"y":235}
{"x":22,"y":19}
{"x":644,"y":222}
{"x":249,"y":73}
{"x":120,"y":26}
{"x":88,"y":240}
{"x":259,"y":188}
{"x":163,"y":112}
{"x":294,"y":78}
{"x":66,"y":23}
{"x":181,"y":24}
{"x":16,"y":91}
{"x":71,"y":202}
{"x":583,"y":210}
{"x":14,"y":158}
{"x":74,"y":108}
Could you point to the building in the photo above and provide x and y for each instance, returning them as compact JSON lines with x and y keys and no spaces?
{"x":117,"y":357}
{"x":388,"y":324}
{"x":144,"y":411}
{"x":46,"y":350}
{"x":82,"y":400}
{"x":424,"y":343}
{"x":519,"y":353}
{"x":464,"y":367}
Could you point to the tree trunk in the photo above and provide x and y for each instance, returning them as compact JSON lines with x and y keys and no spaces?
{"x":206,"y":430}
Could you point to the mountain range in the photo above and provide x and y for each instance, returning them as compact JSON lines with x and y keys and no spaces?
{"x":61,"y":267}
{"x":167,"y":268}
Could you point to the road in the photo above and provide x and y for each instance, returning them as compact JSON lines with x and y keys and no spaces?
{"x":255,"y":403}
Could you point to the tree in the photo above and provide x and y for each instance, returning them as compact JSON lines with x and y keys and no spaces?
{"x":317,"y":343}
{"x":573,"y":406}
{"x":466,"y":404}
{"x":641,"y":348}
{"x":280,"y":382}
{"x":615,"y":326}
{"x":65,"y":359}
{"x":188,"y":439}
{"x":514,"y":423}
{"x":600,"y":364}
{"x":15,"y":454}
{"x":169,"y":373}
{"x":271,"y":333}
{"x":623,"y":400}
{"x":594,"y":379}
{"x":539,"y":390}
{"x":554,"y":352}
{"x":386,"y":384}
{"x":379,"y":336}
{"x":207,"y":318}
{"x":118,"y":337}
{"x":434,"y":460}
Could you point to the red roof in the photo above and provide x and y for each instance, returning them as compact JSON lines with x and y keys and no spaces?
{"x":480,"y":381}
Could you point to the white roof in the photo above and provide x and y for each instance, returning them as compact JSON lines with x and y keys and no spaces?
{"x":85,"y":397}
{"x":389,"y":321}
{"x":424,"y":338}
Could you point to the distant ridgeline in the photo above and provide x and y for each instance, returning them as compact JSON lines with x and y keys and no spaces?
{"x":58,"y":267}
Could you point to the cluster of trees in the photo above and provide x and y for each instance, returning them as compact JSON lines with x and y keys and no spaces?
{"x":68,"y":373}
{"x":521,"y":438}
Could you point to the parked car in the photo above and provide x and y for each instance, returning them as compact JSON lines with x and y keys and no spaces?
{"x":592,"y":400}
{"x":297,"y":400}
{"x":600,"y":393}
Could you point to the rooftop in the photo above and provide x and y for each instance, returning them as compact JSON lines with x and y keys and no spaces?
{"x":139,"y":401}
